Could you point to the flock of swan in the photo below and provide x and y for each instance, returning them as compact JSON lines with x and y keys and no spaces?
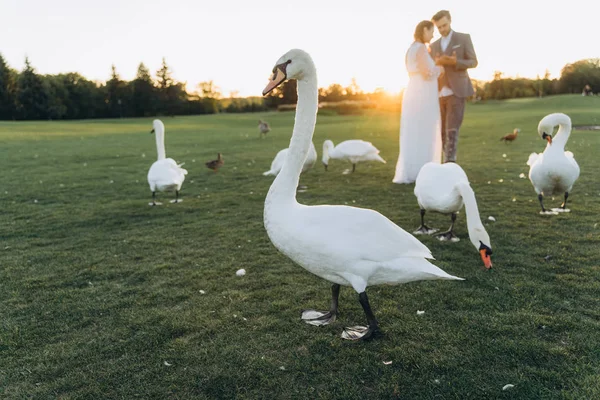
{"x":359,"y":247}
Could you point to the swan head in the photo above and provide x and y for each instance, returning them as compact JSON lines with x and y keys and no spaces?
{"x":295,"y":64}
{"x":485,"y":252}
{"x":327,"y":146}
{"x":157,"y":126}
{"x":549,"y":122}
{"x":481,"y":240}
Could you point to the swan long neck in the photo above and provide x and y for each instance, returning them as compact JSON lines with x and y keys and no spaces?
{"x":160,"y":143}
{"x":286,"y":182}
{"x":564,"y":131}
{"x":473,"y":219}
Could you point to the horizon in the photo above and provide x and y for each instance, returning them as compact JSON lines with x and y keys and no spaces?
{"x":348,"y":39}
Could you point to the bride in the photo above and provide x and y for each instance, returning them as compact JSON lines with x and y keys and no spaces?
{"x":420,"y":123}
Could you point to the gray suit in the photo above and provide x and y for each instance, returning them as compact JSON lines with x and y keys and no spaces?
{"x":456,"y":78}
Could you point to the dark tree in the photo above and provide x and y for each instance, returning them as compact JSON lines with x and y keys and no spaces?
{"x":144,"y":93}
{"x":7,"y":91}
{"x":32,"y":95}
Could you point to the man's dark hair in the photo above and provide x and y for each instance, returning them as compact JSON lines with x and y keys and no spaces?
{"x":441,"y":14}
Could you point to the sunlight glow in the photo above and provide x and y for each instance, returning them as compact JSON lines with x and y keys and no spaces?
{"x":235,"y":43}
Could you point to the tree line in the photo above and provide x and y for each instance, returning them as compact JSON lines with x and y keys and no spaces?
{"x":573,"y":78}
{"x":27,"y":95}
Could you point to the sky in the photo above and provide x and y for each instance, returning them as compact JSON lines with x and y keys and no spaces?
{"x":235,"y":43}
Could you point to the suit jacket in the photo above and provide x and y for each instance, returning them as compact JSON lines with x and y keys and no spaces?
{"x":456,"y":76}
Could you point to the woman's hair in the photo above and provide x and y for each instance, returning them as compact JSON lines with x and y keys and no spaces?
{"x":420,"y":29}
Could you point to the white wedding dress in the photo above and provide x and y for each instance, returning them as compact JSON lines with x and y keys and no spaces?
{"x":420,"y":122}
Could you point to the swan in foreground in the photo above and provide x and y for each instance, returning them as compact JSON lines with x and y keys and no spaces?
{"x":445,"y":188}
{"x":555,"y":170}
{"x":165,"y":175}
{"x":352,"y":150}
{"x":279,"y":160}
{"x":345,"y":245}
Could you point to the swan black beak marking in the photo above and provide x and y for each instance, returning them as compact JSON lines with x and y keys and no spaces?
{"x":485,"y":253}
{"x":152,"y":131}
{"x":278,"y":77}
{"x":547,"y":137}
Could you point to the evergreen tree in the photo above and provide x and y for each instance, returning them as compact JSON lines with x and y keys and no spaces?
{"x":116,"y":96}
{"x":32,"y":96}
{"x":144,"y":93}
{"x":7,"y":91}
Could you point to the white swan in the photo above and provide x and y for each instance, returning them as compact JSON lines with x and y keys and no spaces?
{"x":555,"y":170}
{"x":345,"y":245}
{"x":164,"y":175}
{"x":352,"y":150}
{"x":444,"y":188}
{"x":279,"y":160}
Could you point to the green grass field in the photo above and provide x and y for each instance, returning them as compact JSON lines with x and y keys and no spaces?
{"x":100,"y":293}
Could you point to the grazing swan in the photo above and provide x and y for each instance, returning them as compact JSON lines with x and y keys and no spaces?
{"x":165,"y":175}
{"x":282,"y":155}
{"x":555,"y":170}
{"x":345,"y":245}
{"x":444,"y":188}
{"x":263,"y":128}
{"x":352,"y":150}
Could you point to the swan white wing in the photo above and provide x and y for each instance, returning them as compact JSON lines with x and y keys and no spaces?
{"x":357,"y":233}
{"x":311,"y":158}
{"x":533,"y":158}
{"x":165,"y":174}
{"x":435,"y":187}
{"x":355,"y":148}
{"x":277,"y":163}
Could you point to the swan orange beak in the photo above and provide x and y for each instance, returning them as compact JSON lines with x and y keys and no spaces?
{"x":549,"y":139}
{"x":487,"y":261}
{"x":277,"y":79}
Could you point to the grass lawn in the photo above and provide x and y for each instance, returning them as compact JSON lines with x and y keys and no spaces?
{"x":100,"y":294}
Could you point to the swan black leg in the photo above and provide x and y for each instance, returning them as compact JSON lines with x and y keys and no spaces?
{"x":362,"y":332}
{"x":449,"y":234}
{"x":424,"y":229}
{"x":319,"y":318}
{"x":541,"y":199}
{"x":564,"y":204}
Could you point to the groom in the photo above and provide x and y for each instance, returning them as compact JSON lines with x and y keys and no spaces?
{"x":455,"y":53}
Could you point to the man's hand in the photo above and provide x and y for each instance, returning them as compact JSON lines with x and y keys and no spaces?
{"x":446,"y":60}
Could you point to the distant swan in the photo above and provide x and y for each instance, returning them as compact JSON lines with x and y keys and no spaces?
{"x":279,"y":160}
{"x":354,"y":151}
{"x":555,"y":170}
{"x":165,"y":175}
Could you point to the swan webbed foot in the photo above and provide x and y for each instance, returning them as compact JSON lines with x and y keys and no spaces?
{"x":318,"y":318}
{"x":425,"y":230}
{"x":447,"y":236}
{"x":548,"y":212}
{"x":358,"y":332}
